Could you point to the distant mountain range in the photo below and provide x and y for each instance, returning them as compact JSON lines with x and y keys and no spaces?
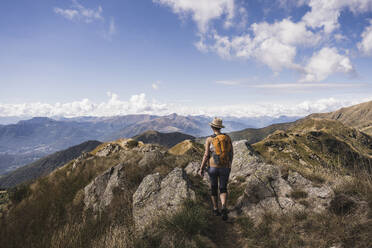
{"x":295,"y":138}
{"x":29,"y":140}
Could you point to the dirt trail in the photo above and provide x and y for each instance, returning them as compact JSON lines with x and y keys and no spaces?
{"x":225,"y":233}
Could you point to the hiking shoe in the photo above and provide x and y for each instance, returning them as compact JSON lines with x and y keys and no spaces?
{"x":216,"y":212}
{"x":224,"y":214}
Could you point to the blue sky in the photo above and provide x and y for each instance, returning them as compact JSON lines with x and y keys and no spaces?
{"x":214,"y":57}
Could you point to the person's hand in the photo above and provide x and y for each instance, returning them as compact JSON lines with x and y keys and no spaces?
{"x":201,"y":172}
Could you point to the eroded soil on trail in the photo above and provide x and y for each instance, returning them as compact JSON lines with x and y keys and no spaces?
{"x":225,"y":233}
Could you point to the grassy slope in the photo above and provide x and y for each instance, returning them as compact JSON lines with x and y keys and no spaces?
{"x":358,"y":116}
{"x":318,"y":144}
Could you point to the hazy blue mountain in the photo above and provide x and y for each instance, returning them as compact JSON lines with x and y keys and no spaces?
{"x":29,"y":140}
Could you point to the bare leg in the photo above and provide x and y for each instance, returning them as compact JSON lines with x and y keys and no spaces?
{"x":223,"y":197}
{"x":214,"y":202}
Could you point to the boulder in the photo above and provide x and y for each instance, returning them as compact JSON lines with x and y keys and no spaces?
{"x":100,"y":192}
{"x":266,"y":190}
{"x":245,"y":161}
{"x":155,"y":197}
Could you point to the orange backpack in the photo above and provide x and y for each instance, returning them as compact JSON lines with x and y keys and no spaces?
{"x":222,"y":154}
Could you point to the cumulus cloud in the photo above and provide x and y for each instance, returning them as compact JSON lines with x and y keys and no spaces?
{"x":202,"y":11}
{"x":365,"y":45}
{"x":275,"y":44}
{"x":324,"y":63}
{"x":325,"y":14}
{"x":139,"y":104}
{"x":79,"y":12}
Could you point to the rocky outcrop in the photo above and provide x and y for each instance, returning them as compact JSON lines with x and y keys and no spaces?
{"x":82,"y":158}
{"x":265,"y":190}
{"x":268,"y":190}
{"x":108,"y":150}
{"x":156,"y":197}
{"x":245,"y":161}
{"x":100,"y":192}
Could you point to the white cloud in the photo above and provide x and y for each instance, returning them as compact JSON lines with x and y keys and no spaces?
{"x":79,"y":12}
{"x":324,"y":63}
{"x":138,"y":104}
{"x":202,"y":11}
{"x":325,"y":13}
{"x":366,"y":44}
{"x":67,"y":13}
{"x":275,"y":44}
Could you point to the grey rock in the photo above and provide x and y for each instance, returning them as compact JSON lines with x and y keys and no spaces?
{"x":83,"y":157}
{"x":245,"y":161}
{"x":100,"y":192}
{"x":193,"y":168}
{"x":108,"y":150}
{"x":265,"y":191}
{"x":151,"y":157}
{"x":155,"y":197}
{"x":319,"y":197}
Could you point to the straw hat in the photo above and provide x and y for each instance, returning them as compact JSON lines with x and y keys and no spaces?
{"x":217,"y":123}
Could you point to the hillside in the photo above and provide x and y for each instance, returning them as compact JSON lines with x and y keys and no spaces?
{"x":358,"y":116}
{"x":164,"y":139}
{"x":315,"y":144}
{"x":254,"y":135}
{"x":130,"y":194}
{"x":45,"y":165}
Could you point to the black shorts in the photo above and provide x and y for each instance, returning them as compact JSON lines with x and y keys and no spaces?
{"x":220,"y":175}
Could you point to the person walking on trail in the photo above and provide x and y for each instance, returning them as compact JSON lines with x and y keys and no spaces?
{"x":218,"y":157}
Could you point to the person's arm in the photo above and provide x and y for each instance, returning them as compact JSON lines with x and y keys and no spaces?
{"x":206,"y":155}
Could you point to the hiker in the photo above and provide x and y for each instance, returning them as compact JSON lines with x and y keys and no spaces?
{"x":218,"y":157}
